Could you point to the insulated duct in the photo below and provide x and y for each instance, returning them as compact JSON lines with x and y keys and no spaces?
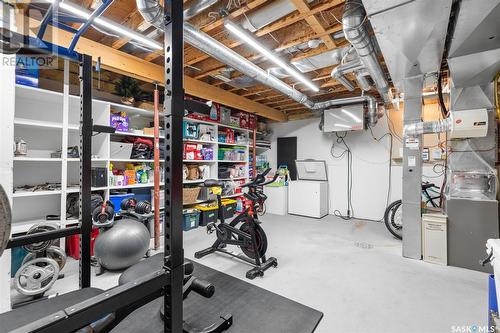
{"x":152,"y":12}
{"x":356,"y":33}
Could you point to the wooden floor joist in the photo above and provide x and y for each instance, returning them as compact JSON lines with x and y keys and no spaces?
{"x":123,"y":63}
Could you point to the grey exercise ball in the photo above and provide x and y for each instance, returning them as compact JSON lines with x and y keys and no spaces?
{"x":122,"y":245}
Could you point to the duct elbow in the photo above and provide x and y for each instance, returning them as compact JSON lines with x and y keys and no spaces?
{"x":339,"y":76}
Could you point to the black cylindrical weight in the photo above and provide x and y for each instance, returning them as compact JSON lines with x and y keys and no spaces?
{"x":203,"y":288}
{"x":143,"y":207}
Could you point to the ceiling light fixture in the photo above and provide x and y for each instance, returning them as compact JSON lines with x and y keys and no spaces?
{"x":108,"y":24}
{"x":268,"y":54}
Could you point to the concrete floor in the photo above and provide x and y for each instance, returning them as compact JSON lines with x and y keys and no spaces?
{"x":353,"y":272}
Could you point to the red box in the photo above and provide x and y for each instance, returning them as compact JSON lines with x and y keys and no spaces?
{"x":252,"y":121}
{"x":73,"y":244}
{"x":229,"y":135}
{"x":190,"y":151}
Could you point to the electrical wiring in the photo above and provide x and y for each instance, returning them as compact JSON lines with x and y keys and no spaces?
{"x":389,"y":187}
{"x":346,"y":152}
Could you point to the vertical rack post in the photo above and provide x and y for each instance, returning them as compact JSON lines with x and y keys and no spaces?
{"x":174,"y":111}
{"x":254,"y":153}
{"x":156,"y":191}
{"x":85,"y":167}
{"x":64,"y":145}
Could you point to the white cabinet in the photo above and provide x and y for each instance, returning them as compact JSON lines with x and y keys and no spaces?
{"x":308,"y":198}
{"x":277,"y":199}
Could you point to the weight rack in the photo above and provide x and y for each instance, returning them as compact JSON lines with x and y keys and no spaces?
{"x":169,"y":280}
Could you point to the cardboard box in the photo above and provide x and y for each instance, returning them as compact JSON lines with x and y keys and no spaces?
{"x":244,"y":119}
{"x":234,"y":121}
{"x":149,"y":131}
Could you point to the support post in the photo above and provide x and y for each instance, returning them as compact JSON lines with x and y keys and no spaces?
{"x":156,"y":192}
{"x":412,"y":170}
{"x":174,"y":111}
{"x":85,"y":167}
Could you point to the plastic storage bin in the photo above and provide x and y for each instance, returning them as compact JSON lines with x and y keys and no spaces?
{"x":191,"y":219}
{"x":120,"y":150}
{"x":208,"y":214}
{"x":229,"y":208}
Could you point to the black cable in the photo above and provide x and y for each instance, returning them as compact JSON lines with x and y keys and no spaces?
{"x":347,"y":151}
{"x":388,"y":197}
{"x":444,"y":112}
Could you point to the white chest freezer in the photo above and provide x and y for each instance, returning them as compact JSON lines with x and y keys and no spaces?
{"x":308,"y":196}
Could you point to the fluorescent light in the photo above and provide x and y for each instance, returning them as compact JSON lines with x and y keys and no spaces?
{"x":268,"y":54}
{"x":108,"y":24}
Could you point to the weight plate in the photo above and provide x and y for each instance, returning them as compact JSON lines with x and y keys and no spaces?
{"x":40,"y":246}
{"x":36,"y":276}
{"x":53,"y":252}
{"x":5,"y":220}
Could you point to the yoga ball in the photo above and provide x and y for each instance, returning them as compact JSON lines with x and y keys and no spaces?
{"x":122,"y":245}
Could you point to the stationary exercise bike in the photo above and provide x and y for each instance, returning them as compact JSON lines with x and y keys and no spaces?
{"x":244,"y":230}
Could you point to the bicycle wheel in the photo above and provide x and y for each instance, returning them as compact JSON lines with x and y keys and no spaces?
{"x":260,"y":239}
{"x":393,"y":219}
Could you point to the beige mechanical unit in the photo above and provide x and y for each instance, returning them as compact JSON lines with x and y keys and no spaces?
{"x":434,"y":240}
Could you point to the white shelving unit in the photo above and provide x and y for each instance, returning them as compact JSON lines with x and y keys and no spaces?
{"x":47,"y":123}
{"x":216,"y":163}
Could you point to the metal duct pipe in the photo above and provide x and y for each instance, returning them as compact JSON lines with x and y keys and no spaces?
{"x":152,"y":12}
{"x":356,"y":33}
{"x":219,"y":51}
{"x":426,"y":127}
{"x":198,"y":7}
{"x":362,"y":81}
{"x":338,"y":73}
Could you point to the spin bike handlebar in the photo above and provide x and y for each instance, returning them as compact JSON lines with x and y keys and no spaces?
{"x":260,"y":179}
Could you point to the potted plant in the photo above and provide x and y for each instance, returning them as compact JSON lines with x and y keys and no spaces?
{"x":128,"y":89}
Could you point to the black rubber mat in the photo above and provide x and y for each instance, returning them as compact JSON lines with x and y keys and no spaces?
{"x":254,"y":310}
{"x":34,"y":311}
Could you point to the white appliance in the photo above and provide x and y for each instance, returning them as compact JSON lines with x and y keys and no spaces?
{"x":277,"y":199}
{"x":345,"y":118}
{"x":308,"y":195}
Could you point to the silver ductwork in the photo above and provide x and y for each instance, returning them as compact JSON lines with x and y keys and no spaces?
{"x":338,"y":73}
{"x":356,"y":32}
{"x":427,"y":127}
{"x":152,"y":12}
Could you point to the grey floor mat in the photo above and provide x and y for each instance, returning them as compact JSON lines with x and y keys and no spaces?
{"x":254,"y":309}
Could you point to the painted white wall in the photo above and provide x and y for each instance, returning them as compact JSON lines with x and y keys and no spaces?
{"x":370,"y":165}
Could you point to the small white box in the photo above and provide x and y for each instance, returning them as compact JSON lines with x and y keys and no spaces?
{"x":277,"y":199}
{"x":434,"y":240}
{"x":121,"y":150}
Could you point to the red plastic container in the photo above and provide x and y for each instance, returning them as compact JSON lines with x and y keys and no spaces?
{"x":73,"y":244}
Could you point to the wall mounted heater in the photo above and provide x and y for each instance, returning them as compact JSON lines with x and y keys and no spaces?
{"x":345,"y":118}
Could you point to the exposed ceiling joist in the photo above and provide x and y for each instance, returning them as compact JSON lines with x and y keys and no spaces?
{"x":314,"y":23}
{"x":127,"y":64}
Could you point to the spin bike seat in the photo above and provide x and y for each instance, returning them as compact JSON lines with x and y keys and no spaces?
{"x":213,"y":183}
